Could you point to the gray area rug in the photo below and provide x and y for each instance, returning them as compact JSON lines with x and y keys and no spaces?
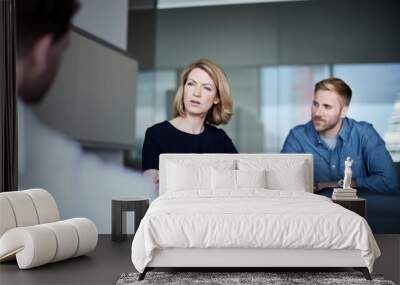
{"x":228,"y":278}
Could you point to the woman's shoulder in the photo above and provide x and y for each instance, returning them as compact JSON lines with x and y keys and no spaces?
{"x":215,"y":131}
{"x":157,"y":128}
{"x":219,"y":135}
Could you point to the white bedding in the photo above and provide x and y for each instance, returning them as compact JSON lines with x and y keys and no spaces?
{"x":250,"y":218}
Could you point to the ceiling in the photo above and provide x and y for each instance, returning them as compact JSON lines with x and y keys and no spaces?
{"x":171,"y":4}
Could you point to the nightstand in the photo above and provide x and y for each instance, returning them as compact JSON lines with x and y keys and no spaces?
{"x":119,"y":207}
{"x":356,"y":205}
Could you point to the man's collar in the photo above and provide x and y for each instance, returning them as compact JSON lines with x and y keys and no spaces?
{"x":313,"y":133}
{"x":344,"y":130}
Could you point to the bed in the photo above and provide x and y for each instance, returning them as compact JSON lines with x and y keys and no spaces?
{"x":247,"y":210}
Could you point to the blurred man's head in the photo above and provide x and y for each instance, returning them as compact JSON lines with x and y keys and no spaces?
{"x":42,"y":36}
{"x":330,"y":104}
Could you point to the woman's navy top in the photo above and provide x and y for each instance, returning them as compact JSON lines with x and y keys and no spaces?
{"x":165,"y":138}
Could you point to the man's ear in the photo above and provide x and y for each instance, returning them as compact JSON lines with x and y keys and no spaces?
{"x":345,"y":109}
{"x":41,"y":52}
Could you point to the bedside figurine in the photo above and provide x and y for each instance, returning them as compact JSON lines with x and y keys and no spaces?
{"x":345,"y":192}
{"x":347,"y":173}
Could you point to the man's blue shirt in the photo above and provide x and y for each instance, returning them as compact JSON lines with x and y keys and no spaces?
{"x":372,"y":167}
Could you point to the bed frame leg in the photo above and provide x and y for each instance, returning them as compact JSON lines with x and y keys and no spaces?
{"x":364,"y":271}
{"x":143,"y":274}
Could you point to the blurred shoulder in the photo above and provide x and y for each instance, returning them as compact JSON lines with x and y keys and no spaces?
{"x":300,"y":130}
{"x":213,"y":130}
{"x":362,"y":127}
{"x":158,"y":128}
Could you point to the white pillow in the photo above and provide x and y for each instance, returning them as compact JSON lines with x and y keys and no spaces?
{"x":185,"y":175}
{"x":291,"y":180}
{"x":237,"y":179}
{"x":281,"y":174}
{"x":181,"y":178}
{"x":251,"y":178}
{"x":223,"y":179}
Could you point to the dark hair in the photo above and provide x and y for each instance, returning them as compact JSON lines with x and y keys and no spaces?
{"x":336,"y":85}
{"x":36,"y":18}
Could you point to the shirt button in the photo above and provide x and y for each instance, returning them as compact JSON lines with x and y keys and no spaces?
{"x":333,"y":166}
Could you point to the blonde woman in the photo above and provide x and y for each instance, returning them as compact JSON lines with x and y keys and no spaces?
{"x":202,"y":101}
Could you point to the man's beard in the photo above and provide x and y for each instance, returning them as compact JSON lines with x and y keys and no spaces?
{"x":327,"y":125}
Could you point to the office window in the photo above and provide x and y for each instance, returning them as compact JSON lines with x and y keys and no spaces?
{"x":270,"y":100}
{"x":286,"y":93}
{"x":156,"y":90}
{"x":153,"y":102}
{"x":376,"y":98}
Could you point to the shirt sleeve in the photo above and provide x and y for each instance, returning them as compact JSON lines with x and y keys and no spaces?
{"x":292,"y":144}
{"x":150,"y":152}
{"x":380,"y":167}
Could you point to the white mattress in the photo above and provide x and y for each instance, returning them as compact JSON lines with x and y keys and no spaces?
{"x":250,"y":218}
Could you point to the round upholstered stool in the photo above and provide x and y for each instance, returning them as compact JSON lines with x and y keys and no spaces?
{"x":119,"y":207}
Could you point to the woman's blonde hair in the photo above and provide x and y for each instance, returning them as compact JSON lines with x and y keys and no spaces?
{"x":219,"y":113}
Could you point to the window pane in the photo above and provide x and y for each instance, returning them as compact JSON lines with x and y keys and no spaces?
{"x":287,"y":93}
{"x":376,"y":89}
{"x":153,"y":99}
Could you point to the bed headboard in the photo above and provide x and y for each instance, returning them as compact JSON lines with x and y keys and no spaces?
{"x":210,"y":159}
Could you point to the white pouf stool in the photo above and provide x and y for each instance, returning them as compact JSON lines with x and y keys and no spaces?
{"x":32,"y":233}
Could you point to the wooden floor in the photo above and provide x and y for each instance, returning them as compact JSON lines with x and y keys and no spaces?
{"x":103,"y":266}
{"x":110,"y":259}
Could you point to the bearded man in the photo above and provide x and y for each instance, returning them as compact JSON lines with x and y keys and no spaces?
{"x":332,"y":137}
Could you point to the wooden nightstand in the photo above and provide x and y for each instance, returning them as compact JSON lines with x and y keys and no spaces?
{"x":356,"y":205}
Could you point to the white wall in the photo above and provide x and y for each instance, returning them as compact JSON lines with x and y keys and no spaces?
{"x":105,"y":19}
{"x":98,"y":84}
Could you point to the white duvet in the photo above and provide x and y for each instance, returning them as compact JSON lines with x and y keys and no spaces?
{"x":250,"y":219}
